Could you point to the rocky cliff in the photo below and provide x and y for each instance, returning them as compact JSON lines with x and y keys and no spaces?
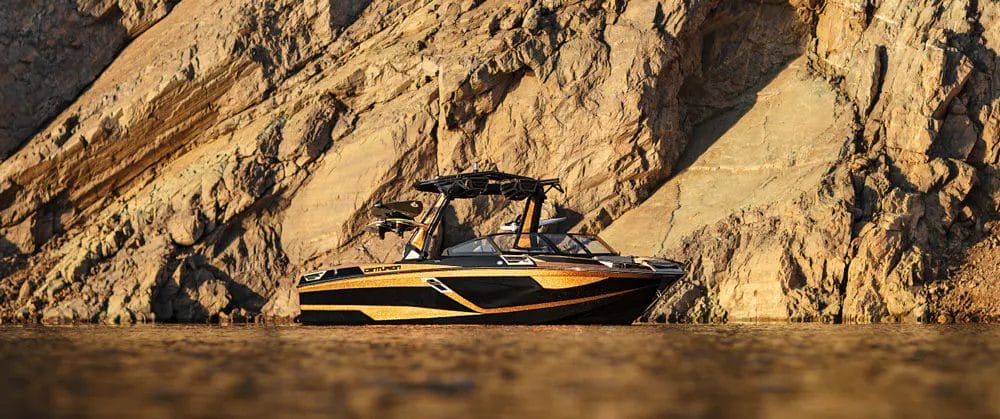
{"x":811,"y":160}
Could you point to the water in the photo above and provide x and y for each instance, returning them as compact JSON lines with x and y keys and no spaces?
{"x":482,"y":371}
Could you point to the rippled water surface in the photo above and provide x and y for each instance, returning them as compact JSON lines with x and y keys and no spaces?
{"x":637,"y":371}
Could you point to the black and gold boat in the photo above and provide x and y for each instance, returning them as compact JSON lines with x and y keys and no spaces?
{"x":523,"y":276}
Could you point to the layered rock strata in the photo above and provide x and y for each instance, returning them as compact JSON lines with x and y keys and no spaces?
{"x":812,"y":160}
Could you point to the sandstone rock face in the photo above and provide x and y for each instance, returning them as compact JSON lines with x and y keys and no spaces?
{"x":185,"y":161}
{"x":766,"y":227}
{"x":906,"y":184}
{"x":53,"y":50}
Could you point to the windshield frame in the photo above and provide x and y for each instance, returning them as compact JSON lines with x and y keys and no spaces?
{"x":594,"y":237}
{"x":499,"y":250}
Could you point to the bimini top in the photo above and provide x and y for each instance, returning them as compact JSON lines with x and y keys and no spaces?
{"x":491,"y":182}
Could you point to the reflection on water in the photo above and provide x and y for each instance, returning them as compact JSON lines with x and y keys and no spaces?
{"x":483,"y":371}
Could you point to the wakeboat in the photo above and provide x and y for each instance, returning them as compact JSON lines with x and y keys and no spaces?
{"x":520,"y":275}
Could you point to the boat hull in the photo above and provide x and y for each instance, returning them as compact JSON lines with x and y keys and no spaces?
{"x":483,"y":296}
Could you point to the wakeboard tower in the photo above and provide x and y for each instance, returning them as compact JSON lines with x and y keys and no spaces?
{"x":517,"y":276}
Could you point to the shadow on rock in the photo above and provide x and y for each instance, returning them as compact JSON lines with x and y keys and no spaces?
{"x":197,"y":291}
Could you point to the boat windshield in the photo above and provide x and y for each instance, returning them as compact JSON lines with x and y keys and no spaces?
{"x":474,"y":247}
{"x":594,"y":245}
{"x":566,"y":244}
{"x":547,"y":243}
{"x":530,"y":243}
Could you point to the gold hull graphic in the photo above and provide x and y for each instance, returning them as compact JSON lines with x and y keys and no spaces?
{"x":419,"y":293}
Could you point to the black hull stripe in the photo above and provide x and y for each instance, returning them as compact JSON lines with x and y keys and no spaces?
{"x":498,"y":292}
{"x":425,"y":297}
